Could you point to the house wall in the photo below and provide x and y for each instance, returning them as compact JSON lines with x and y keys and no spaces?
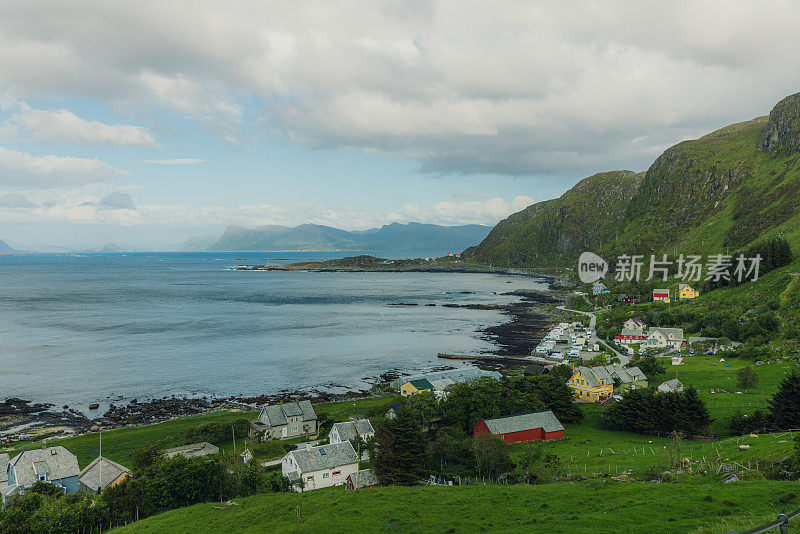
{"x":326,"y":478}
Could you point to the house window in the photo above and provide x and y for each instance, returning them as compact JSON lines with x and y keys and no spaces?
{"x":337,"y":473}
{"x":294,"y":428}
{"x":324,"y":475}
{"x":310,"y":477}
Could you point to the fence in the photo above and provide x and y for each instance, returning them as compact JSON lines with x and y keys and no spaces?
{"x":782,"y":522}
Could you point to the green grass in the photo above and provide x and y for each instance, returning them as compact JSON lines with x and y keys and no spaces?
{"x":587,"y":449}
{"x":119,"y":444}
{"x":591,"y":506}
{"x":707,"y":372}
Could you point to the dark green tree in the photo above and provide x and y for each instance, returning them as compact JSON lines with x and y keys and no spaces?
{"x":491,"y":455}
{"x":398,"y":451}
{"x":785,"y":403}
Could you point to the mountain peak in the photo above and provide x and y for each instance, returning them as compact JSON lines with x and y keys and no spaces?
{"x":782,"y":133}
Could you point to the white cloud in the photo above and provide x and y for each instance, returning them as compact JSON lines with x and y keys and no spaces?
{"x":461,"y":86}
{"x":65,"y":126}
{"x":174,"y":161}
{"x":21,"y":170}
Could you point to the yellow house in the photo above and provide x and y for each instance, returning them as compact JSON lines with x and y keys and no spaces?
{"x":685,"y":291}
{"x":414,"y":387}
{"x":590,"y":384}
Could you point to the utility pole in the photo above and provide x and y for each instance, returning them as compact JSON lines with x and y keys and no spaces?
{"x":233,"y":433}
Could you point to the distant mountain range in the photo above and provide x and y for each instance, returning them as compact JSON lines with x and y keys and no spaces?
{"x":5,"y":247}
{"x":314,"y":237}
{"x":718,"y":193}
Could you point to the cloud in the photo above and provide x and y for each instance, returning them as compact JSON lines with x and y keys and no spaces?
{"x":174,"y":161}
{"x":117,"y":201}
{"x":65,"y":126}
{"x":519,"y":88}
{"x":18,"y":169}
{"x":15,"y":200}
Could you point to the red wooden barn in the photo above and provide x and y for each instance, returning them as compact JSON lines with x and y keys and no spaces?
{"x":523,"y":427}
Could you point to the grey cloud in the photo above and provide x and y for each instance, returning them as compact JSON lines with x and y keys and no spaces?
{"x":117,"y":201}
{"x":15,"y":200}
{"x":519,"y":88}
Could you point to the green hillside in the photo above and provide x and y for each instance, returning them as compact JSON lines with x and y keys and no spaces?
{"x":722,"y":191}
{"x":591,"y":506}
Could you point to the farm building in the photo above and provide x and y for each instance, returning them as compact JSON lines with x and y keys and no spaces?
{"x":523,"y":427}
{"x":629,"y":336}
{"x":462,"y":374}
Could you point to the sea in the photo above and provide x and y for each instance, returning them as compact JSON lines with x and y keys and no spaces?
{"x":77,"y":329}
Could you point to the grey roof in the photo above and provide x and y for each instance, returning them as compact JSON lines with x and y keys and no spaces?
{"x":525,"y":421}
{"x":364,"y":479}
{"x":278,"y":414}
{"x":456,"y":375}
{"x":194,"y":450}
{"x":672,"y":384}
{"x":324,"y":457}
{"x":669,"y":333}
{"x":626,"y":374}
{"x":101,"y":472}
{"x":632,"y":332}
{"x":351,"y":429}
{"x":58,"y":462}
{"x":4,"y":459}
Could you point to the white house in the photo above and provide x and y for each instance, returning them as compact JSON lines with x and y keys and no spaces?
{"x":320,"y":467}
{"x":342,"y":432}
{"x":673,"y":385}
{"x":285,"y":421}
{"x":664,"y":337}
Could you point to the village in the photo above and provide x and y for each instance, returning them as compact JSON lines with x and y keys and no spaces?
{"x":558,"y":418}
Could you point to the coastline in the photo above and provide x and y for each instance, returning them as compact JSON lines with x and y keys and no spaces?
{"x":528,"y":319}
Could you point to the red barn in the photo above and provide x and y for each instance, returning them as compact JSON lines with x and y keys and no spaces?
{"x":523,"y":427}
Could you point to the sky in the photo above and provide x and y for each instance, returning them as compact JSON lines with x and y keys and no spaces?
{"x":146,"y":123}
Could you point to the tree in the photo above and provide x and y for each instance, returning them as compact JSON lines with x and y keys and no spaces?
{"x":690,"y":413}
{"x":531,"y":456}
{"x":398,"y":451}
{"x":147,"y":456}
{"x":785,"y":403}
{"x":746,"y":378}
{"x":650,"y":366}
{"x":491,"y":454}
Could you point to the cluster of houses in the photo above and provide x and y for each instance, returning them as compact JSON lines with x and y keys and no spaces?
{"x":566,"y":341}
{"x":685,"y":291}
{"x":437,"y":382}
{"x":57,"y":466}
{"x":635,"y":331}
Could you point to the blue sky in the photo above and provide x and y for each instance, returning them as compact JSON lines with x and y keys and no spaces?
{"x":147,"y":123}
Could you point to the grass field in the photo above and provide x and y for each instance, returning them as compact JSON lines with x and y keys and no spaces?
{"x":707,"y":372}
{"x":591,"y":506}
{"x":119,"y":444}
{"x":587,"y":448}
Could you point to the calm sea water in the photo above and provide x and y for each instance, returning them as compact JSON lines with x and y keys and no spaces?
{"x":96,"y":328}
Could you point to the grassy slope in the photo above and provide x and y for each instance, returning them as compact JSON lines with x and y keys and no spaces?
{"x":119,"y":444}
{"x":591,"y":506}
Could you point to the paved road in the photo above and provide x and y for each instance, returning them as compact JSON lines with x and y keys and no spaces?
{"x":624,"y":359}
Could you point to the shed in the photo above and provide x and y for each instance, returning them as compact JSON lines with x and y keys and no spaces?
{"x":100,"y":474}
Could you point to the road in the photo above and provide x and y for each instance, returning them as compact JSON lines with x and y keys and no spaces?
{"x":624,"y":359}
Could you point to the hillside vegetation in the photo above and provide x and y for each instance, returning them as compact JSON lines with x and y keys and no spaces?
{"x":720,"y":192}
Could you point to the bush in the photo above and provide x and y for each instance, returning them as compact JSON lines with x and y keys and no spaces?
{"x":218,"y":432}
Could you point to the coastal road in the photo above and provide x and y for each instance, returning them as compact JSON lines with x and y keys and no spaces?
{"x":623,"y":358}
